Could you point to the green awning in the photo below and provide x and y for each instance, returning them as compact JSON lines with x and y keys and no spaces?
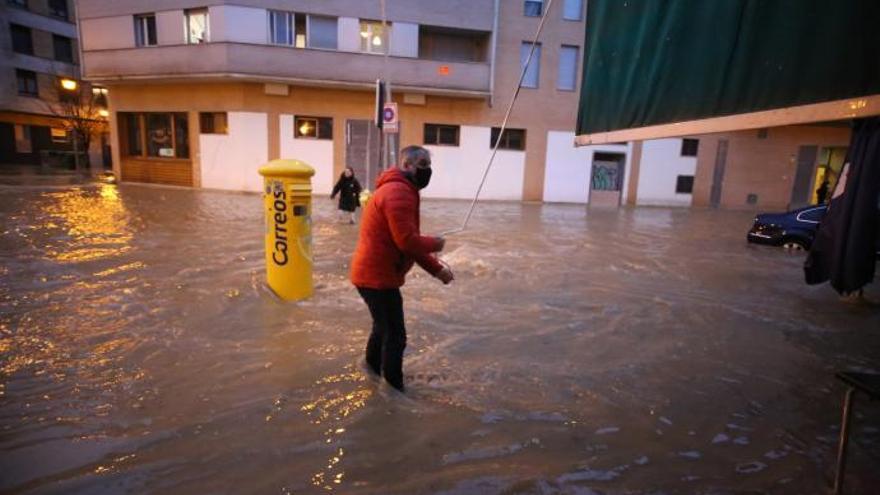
{"x":655,"y":62}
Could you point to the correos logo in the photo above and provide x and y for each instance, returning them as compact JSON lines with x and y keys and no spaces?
{"x":279,"y":206}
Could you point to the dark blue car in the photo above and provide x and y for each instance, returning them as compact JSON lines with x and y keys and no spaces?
{"x":793,"y":230}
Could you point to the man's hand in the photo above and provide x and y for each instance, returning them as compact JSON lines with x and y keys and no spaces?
{"x":442,"y":242}
{"x":445,"y":275}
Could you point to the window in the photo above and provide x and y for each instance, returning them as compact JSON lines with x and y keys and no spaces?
{"x":441,"y":134}
{"x":812,"y":215}
{"x":213,"y":123}
{"x":63,"y":48}
{"x":684,"y":184}
{"x":21,"y":39}
{"x":164,"y":135}
{"x":18,"y":3}
{"x":133,"y":134}
{"x":533,"y":8}
{"x":373,"y":37}
{"x":59,"y":135}
{"x":313,"y":127}
{"x":23,"y":139}
{"x":512,"y":139}
{"x":197,"y":26}
{"x":100,"y":95}
{"x":322,"y":32}
{"x":566,"y":80}
{"x":145,"y":30}
{"x":58,"y":8}
{"x":533,"y":73}
{"x":299,"y":25}
{"x":689,"y":147}
{"x":280,"y":27}
{"x":573,"y":10}
{"x":452,"y":45}
{"x":27,"y":82}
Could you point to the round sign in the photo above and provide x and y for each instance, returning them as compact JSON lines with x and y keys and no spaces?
{"x":388,"y":114}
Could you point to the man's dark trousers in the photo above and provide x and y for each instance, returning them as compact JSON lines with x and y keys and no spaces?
{"x":388,"y":338}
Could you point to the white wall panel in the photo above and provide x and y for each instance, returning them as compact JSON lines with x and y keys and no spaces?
{"x":659,"y":169}
{"x":318,"y":153}
{"x":567,"y":168}
{"x":170,"y":29}
{"x":458,"y":169}
{"x":238,"y":24}
{"x":230,"y":161}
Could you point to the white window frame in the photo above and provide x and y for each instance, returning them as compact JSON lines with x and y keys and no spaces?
{"x":289,"y":19}
{"x":187,"y":16}
{"x":142,"y":36}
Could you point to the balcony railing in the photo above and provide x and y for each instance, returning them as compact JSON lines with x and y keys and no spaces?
{"x":280,"y":63}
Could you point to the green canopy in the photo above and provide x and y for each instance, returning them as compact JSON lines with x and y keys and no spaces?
{"x":655,"y":62}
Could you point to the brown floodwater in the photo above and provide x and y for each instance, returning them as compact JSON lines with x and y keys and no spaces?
{"x":579,"y":351}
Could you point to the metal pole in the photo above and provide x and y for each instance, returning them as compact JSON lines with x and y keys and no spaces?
{"x":522,"y":76}
{"x":75,"y":150}
{"x":844,"y":440}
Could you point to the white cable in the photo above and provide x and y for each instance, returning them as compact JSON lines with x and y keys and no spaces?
{"x":522,"y":76}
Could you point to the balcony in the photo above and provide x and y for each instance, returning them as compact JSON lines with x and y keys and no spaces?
{"x":267,"y":63}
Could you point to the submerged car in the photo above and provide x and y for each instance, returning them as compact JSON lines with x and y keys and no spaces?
{"x":794,"y":230}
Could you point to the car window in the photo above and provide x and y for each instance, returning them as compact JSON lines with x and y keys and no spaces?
{"x":812,"y":215}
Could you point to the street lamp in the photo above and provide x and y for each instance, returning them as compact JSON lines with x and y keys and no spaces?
{"x":69,"y":84}
{"x":103,"y":113}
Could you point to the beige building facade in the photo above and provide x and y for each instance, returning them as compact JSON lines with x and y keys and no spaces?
{"x":204,"y":92}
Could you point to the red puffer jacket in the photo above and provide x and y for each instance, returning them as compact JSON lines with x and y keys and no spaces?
{"x":389,"y":239}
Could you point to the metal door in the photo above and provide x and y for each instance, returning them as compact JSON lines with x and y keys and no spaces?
{"x":718,"y":174}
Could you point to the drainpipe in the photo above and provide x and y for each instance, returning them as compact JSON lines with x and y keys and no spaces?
{"x":494,"y":50}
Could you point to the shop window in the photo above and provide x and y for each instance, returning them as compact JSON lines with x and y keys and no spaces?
{"x":58,"y":8}
{"x":27,"y":82}
{"x":22,"y":42}
{"x":145,"y":30}
{"x":63,"y":48}
{"x":533,"y":8}
{"x":533,"y":73}
{"x":59,"y":135}
{"x":100,"y":96}
{"x":313,"y":127}
{"x":442,"y":134}
{"x":157,"y":135}
{"x":23,"y":142}
{"x":689,"y":147}
{"x":512,"y":139}
{"x":213,"y":123}
{"x":373,"y":39}
{"x":197,"y":26}
{"x":684,"y":184}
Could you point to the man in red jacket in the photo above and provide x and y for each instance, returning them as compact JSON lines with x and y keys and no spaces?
{"x":388,"y":245}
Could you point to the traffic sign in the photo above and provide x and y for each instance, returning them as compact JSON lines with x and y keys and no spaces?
{"x":389,"y":118}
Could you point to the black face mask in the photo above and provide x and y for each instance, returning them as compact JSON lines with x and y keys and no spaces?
{"x":421,"y":177}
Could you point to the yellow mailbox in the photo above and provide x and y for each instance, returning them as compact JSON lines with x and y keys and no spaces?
{"x":287,"y":185}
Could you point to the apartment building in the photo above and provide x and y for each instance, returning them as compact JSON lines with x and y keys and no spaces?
{"x":203,"y":92}
{"x":39,"y":68}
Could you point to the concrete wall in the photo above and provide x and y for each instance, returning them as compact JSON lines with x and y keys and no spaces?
{"x":458,"y":169}
{"x":660,"y":166}
{"x":230,"y":161}
{"x":316,"y":152}
{"x":567,"y":173}
{"x":238,"y":24}
{"x":108,"y":33}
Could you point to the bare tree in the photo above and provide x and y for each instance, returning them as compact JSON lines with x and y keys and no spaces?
{"x":79,"y":110}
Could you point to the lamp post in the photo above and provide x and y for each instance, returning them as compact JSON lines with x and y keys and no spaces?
{"x":71,"y":86}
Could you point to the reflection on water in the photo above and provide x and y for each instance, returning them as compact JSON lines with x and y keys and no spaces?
{"x":579,"y":351}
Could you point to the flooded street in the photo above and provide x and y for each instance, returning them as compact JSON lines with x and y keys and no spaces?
{"x":637,"y":351}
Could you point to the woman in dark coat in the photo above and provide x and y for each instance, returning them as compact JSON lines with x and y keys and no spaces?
{"x":348,"y":189}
